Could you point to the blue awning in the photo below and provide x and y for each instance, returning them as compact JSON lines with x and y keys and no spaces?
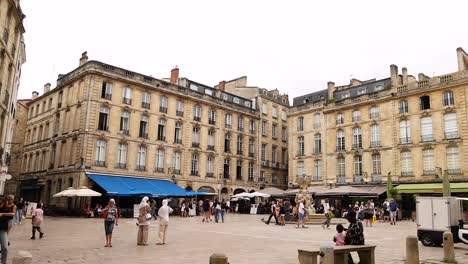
{"x":129,"y":186}
{"x":193,"y":193}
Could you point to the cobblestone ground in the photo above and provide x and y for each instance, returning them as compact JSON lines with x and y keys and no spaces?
{"x":243,"y":238}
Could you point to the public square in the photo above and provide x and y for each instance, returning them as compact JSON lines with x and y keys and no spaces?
{"x":243,"y":238}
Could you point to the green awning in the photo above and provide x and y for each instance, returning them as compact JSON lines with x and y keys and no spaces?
{"x":456,"y":187}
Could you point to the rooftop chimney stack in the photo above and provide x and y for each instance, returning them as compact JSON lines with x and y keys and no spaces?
{"x":222,"y":85}
{"x":405,"y":75}
{"x":175,"y":75}
{"x":394,"y":75}
{"x":462,"y":58}
{"x":84,"y":58}
{"x":46,"y":87}
{"x":35,"y":94}
{"x":331,"y":89}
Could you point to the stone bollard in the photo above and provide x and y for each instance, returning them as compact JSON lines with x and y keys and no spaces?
{"x":449,"y":251}
{"x":218,"y":258}
{"x":412,"y":250}
{"x":22,"y":257}
{"x":326,"y":254}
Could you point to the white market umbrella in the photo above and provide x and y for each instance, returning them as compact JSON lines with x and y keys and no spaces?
{"x":63,"y":193}
{"x":83,"y":191}
{"x":259,"y":194}
{"x":243,"y":195}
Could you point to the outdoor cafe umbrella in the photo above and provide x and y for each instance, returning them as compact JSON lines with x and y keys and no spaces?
{"x":243,"y":195}
{"x":64,"y":192}
{"x":83,"y":191}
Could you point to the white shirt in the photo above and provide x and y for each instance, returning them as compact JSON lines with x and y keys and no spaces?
{"x":301,"y":208}
{"x":326,"y":207}
{"x":163,"y":214}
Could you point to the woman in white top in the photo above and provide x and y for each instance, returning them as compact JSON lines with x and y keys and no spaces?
{"x":163,"y":214}
{"x":143,"y":222}
{"x":193,"y":209}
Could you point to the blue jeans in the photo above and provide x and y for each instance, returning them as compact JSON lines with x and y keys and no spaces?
{"x":4,"y":245}
{"x":223,"y":211}
{"x":18,"y":215}
{"x":217,"y":212}
{"x":108,"y":227}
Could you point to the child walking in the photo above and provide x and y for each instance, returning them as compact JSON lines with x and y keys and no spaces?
{"x":339,"y":238}
{"x":37,"y":218}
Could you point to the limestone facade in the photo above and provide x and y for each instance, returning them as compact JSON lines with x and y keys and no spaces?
{"x":104,"y":119}
{"x":412,"y":128}
{"x":12,"y":56}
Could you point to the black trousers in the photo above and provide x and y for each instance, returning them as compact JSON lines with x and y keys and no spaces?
{"x":272,"y":215}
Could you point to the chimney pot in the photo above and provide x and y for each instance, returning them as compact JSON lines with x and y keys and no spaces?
{"x":394,"y":75}
{"x":175,"y":75}
{"x":35,"y":94}
{"x":331,"y":89}
{"x":46,"y":87}
{"x":404,"y":72}
{"x":84,"y":58}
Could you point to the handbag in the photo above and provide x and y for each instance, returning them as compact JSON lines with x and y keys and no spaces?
{"x":105,"y":213}
{"x":148,"y":216}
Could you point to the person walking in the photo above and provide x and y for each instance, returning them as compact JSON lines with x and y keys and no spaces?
{"x":206,"y":211}
{"x":393,"y":211}
{"x":36,"y":221}
{"x":272,"y":213}
{"x":282,"y":212}
{"x":217,"y":206}
{"x":327,"y":218}
{"x":163,"y":214}
{"x":111,"y":218}
{"x":224,"y":209}
{"x":7,"y":213}
{"x":144,"y":217}
{"x":301,"y":214}
{"x":154,"y":208}
{"x":287,"y":209}
{"x":19,"y":211}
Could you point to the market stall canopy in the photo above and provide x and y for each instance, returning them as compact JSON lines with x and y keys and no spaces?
{"x":347,"y":190}
{"x":455,"y":187}
{"x":129,"y":186}
{"x":193,"y":193}
{"x":311,"y":189}
{"x":259,"y":194}
{"x":273,"y":191}
{"x":243,"y":195}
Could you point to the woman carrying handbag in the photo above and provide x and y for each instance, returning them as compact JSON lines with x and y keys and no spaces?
{"x":144,"y":217}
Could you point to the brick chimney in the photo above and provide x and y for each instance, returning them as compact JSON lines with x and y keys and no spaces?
{"x":222,"y":85}
{"x":404,"y":72}
{"x":35,"y":94}
{"x":46,"y":87}
{"x":175,"y":75}
{"x":84,"y":58}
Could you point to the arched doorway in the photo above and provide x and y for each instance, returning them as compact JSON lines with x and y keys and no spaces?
{"x":224,"y":194}
{"x":239,"y":190}
{"x":188,"y":188}
{"x":251,"y":191}
{"x":207,"y":189}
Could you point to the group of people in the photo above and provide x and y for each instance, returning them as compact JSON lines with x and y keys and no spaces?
{"x":146,"y":212}
{"x":370,"y":213}
{"x":216,"y":208}
{"x":281,"y":210}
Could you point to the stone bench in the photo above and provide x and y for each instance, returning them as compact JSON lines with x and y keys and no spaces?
{"x":308,"y":257}
{"x":365,"y":252}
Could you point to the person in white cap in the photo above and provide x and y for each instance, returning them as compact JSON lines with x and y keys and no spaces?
{"x":163,"y":214}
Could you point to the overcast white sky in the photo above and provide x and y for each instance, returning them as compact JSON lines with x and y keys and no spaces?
{"x":295,"y":46}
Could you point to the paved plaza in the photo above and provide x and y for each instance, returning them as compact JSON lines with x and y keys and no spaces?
{"x":243,"y":238}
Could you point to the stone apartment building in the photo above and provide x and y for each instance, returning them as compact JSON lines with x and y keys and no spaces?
{"x":105,"y":120}
{"x":358,"y":133}
{"x":272,"y":135}
{"x":12,"y":56}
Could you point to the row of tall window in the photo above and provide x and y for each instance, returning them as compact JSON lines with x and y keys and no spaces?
{"x":274,"y":111}
{"x":160,"y":164}
{"x":317,"y":146}
{"x":317,"y":169}
{"x":275,"y":159}
{"x":274,"y":131}
{"x":317,"y":123}
{"x":37,"y":133}
{"x":427,"y":134}
{"x":429,"y":168}
{"x":448,"y":99}
{"x":104,"y":117}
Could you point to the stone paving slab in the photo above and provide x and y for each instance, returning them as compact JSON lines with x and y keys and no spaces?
{"x":243,"y":238}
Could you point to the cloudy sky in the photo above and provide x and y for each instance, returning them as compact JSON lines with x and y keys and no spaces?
{"x":295,"y":46}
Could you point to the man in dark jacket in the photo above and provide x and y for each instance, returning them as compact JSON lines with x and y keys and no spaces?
{"x":287,"y":209}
